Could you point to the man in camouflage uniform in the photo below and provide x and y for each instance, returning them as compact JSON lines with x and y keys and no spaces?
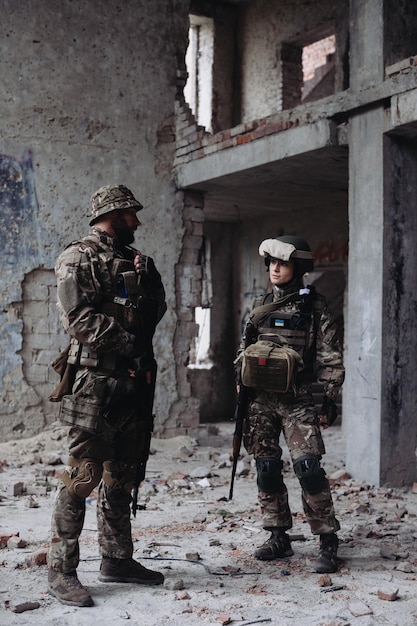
{"x":300,"y":320}
{"x":110,"y":298}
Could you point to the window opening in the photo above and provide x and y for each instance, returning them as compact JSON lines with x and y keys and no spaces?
{"x":318,"y":63}
{"x":198,"y":90}
{"x":200,"y":350}
{"x":308,"y":70}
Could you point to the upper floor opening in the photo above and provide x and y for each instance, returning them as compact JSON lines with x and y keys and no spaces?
{"x":249,"y":60}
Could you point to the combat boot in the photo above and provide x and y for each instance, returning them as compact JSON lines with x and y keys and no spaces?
{"x":128,"y":571}
{"x":278,"y":546}
{"x":68,"y":589}
{"x":327,"y":561}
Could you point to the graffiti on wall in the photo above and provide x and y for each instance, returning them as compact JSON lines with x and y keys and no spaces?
{"x":18,"y":201}
{"x":19,"y":251}
{"x":330,"y":252}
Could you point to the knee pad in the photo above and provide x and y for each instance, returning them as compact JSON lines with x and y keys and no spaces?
{"x":118,"y":476}
{"x":81,"y":476}
{"x":308,"y":471}
{"x":269,"y":474}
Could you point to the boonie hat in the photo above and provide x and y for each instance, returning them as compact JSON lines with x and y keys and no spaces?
{"x":110,"y":198}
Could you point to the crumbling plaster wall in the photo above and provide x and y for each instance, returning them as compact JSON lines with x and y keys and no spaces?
{"x":263,"y":28}
{"x":87,"y":99}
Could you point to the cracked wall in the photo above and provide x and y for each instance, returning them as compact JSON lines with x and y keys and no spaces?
{"x":88,"y":98}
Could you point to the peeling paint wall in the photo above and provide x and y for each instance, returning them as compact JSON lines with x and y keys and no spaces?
{"x":87,"y":99}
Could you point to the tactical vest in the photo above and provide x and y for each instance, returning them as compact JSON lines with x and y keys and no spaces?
{"x":122,"y":299}
{"x":296,"y":328}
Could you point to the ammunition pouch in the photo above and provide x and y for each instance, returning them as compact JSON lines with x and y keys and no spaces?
{"x":82,"y":356}
{"x":269,"y":366}
{"x":85,"y":407}
{"x":66,"y":372}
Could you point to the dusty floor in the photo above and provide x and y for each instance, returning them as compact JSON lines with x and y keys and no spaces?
{"x":203,"y":543}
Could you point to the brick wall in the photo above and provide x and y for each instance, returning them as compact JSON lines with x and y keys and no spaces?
{"x":194,"y":142}
{"x":43,"y":335}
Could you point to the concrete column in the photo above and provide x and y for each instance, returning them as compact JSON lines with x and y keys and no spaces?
{"x":364,"y":320}
{"x":364,"y":316}
{"x":381,"y":324}
{"x":399,"y":342}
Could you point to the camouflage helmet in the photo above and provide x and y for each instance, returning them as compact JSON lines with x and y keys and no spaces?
{"x":288,"y":247}
{"x":110,"y":198}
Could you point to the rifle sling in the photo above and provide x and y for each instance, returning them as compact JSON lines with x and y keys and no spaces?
{"x":260,"y":311}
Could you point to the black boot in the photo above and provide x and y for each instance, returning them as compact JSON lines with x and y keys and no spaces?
{"x":278,"y":546}
{"x":128,"y":571}
{"x":327,"y":561}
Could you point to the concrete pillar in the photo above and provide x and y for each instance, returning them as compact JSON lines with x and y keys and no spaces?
{"x":399,"y":343}
{"x":364,"y":319}
{"x":381,"y":337}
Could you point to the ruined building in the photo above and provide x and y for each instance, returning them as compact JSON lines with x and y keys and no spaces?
{"x":231,"y":121}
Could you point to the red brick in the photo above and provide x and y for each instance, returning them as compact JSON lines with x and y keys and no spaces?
{"x":36,"y":558}
{"x":228,"y":143}
{"x":260,"y":132}
{"x":16,"y":542}
{"x":244,"y":139}
{"x":5,"y":535}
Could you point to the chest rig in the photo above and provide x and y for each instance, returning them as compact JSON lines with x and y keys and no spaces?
{"x":123,"y":298}
{"x":285,"y":328}
{"x":293,"y":325}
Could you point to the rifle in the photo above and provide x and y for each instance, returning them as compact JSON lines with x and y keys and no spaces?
{"x":243,"y":398}
{"x":145,"y":377}
{"x":145,"y":386}
{"x":242,"y":404}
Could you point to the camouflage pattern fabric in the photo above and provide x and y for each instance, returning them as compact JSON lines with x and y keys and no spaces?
{"x":83,"y":277}
{"x":67,"y":524}
{"x":111,"y":198}
{"x":271,"y":414}
{"x":322,"y":345}
{"x":294,"y":415}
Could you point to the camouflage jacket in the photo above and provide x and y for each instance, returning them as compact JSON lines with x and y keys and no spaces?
{"x":84,"y":285}
{"x":322,"y":356}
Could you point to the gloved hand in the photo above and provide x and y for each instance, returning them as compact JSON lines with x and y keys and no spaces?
{"x":328,"y":412}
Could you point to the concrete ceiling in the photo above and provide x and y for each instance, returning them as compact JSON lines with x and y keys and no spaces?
{"x":312,"y":180}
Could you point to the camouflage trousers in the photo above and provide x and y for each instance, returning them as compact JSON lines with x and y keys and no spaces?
{"x":113,"y":526}
{"x":116,"y":442}
{"x":295,"y":416}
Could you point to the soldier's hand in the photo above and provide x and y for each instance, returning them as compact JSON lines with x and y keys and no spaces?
{"x":145,"y":266}
{"x":141,"y":263}
{"x":328,"y":413}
